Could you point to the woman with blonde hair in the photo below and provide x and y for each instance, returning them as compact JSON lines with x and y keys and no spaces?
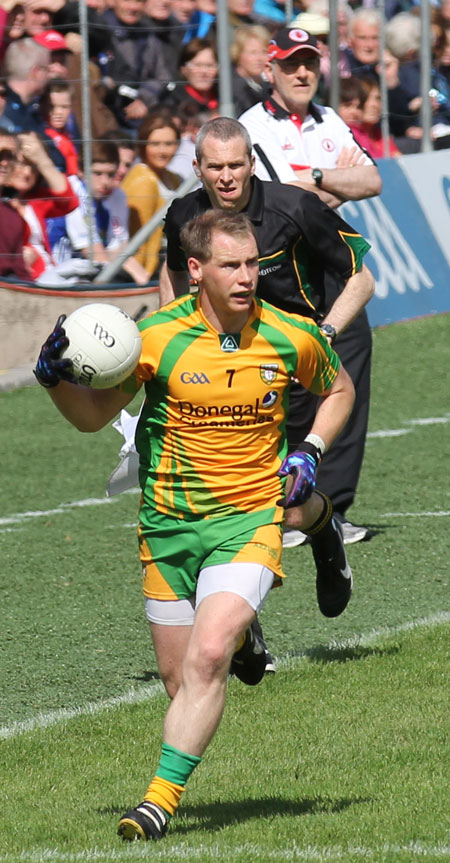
{"x":249,"y":57}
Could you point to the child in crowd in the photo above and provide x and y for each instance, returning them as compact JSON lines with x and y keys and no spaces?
{"x":360,"y":108}
{"x":127,"y":147}
{"x":109,"y":224}
{"x":56,"y":107}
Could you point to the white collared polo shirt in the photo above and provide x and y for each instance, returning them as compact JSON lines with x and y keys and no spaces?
{"x":291,"y":145}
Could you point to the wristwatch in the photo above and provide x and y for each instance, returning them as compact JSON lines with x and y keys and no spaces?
{"x":317,"y":176}
{"x":329,"y":332}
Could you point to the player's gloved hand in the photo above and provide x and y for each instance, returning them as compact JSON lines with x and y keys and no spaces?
{"x":50,"y":367}
{"x":301,"y":465}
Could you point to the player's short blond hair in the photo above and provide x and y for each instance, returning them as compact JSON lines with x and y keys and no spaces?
{"x":196,"y":236}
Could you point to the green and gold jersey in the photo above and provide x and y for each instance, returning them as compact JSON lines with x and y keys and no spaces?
{"x":211,"y":435}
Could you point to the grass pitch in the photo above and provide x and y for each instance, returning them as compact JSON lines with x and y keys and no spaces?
{"x":340,"y":757}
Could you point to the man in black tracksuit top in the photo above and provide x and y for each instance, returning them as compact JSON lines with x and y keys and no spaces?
{"x":302,"y":241}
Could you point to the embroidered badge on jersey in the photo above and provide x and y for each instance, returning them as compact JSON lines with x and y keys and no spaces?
{"x":328,"y":145}
{"x":268,"y":372}
{"x":288,"y":145}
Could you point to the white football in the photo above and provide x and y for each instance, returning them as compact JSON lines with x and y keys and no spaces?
{"x":104,"y":345}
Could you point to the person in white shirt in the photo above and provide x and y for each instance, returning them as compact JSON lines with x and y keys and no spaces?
{"x":298,"y":136}
{"x":110,"y":233}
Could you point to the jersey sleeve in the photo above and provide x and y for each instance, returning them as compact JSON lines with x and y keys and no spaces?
{"x":144,"y":371}
{"x":318,"y":364}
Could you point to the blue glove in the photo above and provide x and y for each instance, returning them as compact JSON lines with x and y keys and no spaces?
{"x":302,"y":466}
{"x":50,"y":368}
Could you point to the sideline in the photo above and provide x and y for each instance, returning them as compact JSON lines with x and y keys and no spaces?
{"x":182,"y":851}
{"x":137,"y":696}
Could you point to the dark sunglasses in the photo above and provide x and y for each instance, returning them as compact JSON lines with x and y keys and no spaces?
{"x":7,"y":155}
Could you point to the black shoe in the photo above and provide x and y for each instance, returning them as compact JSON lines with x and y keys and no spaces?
{"x":147,"y":821}
{"x":257,"y":630}
{"x":249,"y":662}
{"x":334,"y":581}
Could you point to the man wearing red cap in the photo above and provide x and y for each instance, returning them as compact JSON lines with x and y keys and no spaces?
{"x":299,"y":136}
{"x":59,"y":51}
{"x":298,"y":141}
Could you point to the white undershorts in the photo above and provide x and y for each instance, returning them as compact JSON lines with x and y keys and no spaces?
{"x":249,"y":580}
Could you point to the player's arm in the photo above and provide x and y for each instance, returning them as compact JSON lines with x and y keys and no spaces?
{"x":172,"y":283}
{"x":87,"y":409}
{"x":301,"y":465}
{"x":334,"y":408}
{"x":357,"y":292}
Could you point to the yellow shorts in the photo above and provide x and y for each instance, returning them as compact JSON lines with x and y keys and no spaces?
{"x":173,"y":551}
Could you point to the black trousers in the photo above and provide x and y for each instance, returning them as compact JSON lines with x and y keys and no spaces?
{"x":339,"y":471}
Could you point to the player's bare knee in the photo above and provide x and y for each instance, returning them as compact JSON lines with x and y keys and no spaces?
{"x":207,"y":661}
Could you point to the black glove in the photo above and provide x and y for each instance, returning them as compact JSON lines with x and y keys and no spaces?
{"x":302,"y":465}
{"x":50,"y":368}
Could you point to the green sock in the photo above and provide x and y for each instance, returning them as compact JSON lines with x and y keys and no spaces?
{"x":176,"y":766}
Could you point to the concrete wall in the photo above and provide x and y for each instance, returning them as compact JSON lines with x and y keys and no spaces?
{"x":27,"y":319}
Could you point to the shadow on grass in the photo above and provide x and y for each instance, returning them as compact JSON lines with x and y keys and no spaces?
{"x":321,"y":653}
{"x":217,"y":815}
{"x":346,"y":654}
{"x":145,"y":676}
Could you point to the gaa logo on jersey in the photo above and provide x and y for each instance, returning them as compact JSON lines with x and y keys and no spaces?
{"x":194,"y":378}
{"x":268,"y":372}
{"x":269,"y":399}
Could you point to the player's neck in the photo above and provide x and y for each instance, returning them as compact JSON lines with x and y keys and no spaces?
{"x":224,"y":322}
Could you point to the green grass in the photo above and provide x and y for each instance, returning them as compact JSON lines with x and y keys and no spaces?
{"x":341,"y":756}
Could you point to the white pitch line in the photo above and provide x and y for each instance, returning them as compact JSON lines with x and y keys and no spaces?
{"x":184,"y":851}
{"x":19,"y":517}
{"x":444,"y":512}
{"x":429,"y":421}
{"x":43,"y":720}
{"x":421,"y":421}
{"x":382,"y":433}
{"x":135,"y":696}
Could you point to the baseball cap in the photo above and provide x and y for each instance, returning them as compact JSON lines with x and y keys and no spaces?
{"x":318,"y":25}
{"x":288,"y":40}
{"x":52,"y":40}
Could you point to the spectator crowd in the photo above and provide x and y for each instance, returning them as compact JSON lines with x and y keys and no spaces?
{"x":153,"y":81}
